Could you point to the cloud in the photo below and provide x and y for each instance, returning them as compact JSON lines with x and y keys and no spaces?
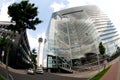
{"x":108,"y":7}
{"x":70,"y":3}
{"x":74,"y":3}
{"x":3,"y":11}
{"x":57,"y":6}
{"x":33,"y":40}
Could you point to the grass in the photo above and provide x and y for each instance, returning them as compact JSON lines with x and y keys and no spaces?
{"x":1,"y":78}
{"x":99,"y":75}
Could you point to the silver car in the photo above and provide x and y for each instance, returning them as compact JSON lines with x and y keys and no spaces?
{"x":39,"y":70}
{"x":30,"y":71}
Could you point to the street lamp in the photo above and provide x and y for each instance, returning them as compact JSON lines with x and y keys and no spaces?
{"x":98,"y":61}
{"x":2,"y":55}
{"x":2,"y":38}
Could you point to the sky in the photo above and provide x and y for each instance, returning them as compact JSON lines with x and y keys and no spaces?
{"x":47,"y":7}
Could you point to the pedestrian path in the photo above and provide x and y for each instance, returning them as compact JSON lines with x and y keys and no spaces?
{"x":113,"y":72}
{"x":19,"y":71}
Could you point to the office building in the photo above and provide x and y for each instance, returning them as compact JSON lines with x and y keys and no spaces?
{"x":76,"y":31}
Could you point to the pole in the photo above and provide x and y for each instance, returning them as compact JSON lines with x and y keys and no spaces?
{"x":7,"y":65}
{"x":2,"y":55}
{"x":7,"y":56}
{"x":95,"y":43}
{"x":98,"y":62}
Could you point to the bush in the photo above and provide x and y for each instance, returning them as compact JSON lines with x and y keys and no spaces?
{"x":1,"y":78}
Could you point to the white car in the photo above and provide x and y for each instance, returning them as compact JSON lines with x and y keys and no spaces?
{"x":30,"y":71}
{"x":39,"y":70}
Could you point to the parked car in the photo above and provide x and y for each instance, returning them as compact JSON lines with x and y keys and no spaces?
{"x":39,"y":70}
{"x":30,"y":71}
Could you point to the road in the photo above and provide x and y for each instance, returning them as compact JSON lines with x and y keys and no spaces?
{"x":45,"y":76}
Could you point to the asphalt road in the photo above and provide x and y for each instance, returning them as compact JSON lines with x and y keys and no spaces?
{"x":45,"y":76}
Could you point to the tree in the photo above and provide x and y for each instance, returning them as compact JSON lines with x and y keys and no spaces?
{"x":24,"y":14}
{"x":34,"y":51}
{"x":3,"y":44}
{"x":33,"y":58}
{"x":101,"y":49}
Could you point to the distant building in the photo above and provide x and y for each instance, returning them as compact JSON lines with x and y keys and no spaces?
{"x":76,"y":31}
{"x":19,"y":49}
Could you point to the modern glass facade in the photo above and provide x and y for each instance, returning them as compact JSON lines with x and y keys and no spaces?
{"x":76,"y":31}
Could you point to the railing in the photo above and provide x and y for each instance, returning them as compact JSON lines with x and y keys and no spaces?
{"x":64,"y":63}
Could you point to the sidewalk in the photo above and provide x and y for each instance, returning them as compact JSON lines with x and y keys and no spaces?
{"x":113,"y":73}
{"x":19,"y":71}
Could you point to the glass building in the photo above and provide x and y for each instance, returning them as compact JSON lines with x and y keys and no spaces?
{"x":76,"y":31}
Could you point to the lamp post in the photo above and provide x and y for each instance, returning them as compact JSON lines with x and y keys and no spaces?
{"x":2,"y":48}
{"x":2,"y":55}
{"x":98,"y":60}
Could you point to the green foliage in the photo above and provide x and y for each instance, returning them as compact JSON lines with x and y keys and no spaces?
{"x":3,"y":42}
{"x":1,"y":78}
{"x":99,"y":75}
{"x":33,"y":56}
{"x":34,"y":51}
{"x":101,"y":49}
{"x":24,"y":14}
